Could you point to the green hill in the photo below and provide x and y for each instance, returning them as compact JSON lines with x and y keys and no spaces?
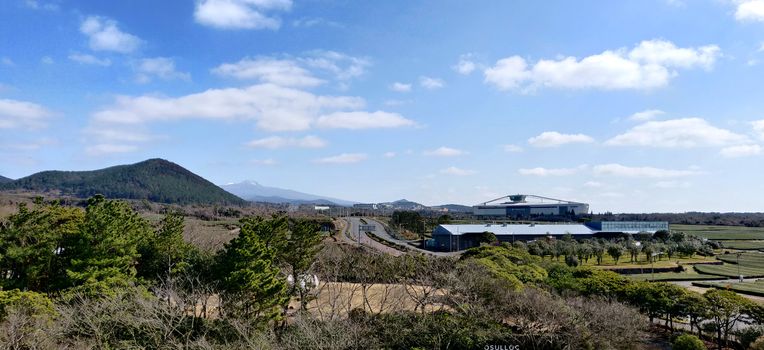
{"x":4,"y":179}
{"x":156,"y":180}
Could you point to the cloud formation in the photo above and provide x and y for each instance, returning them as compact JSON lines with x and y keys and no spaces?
{"x":445,"y":152}
{"x":23,"y":115}
{"x":615,"y":169}
{"x":676,"y":133}
{"x":362,"y":120}
{"x":556,"y":139}
{"x":457,"y":171}
{"x":275,"y":142}
{"x":104,"y":35}
{"x":646,"y":115}
{"x":240,"y":14}
{"x":431,"y":83}
{"x":750,"y":11}
{"x":650,"y":64}
{"x":344,"y":158}
{"x":160,"y":67}
{"x":89,"y":59}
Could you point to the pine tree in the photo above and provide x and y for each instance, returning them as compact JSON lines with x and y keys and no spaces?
{"x":105,"y":252}
{"x":254,"y":287}
{"x":31,"y":252}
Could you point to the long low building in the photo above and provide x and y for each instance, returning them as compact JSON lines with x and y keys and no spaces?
{"x":460,"y":237}
{"x":524,"y":206}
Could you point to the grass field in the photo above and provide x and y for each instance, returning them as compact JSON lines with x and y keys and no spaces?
{"x":743,"y":245}
{"x":730,"y":270}
{"x":608,"y":262}
{"x":690,"y":275}
{"x":745,"y":259}
{"x":753,"y":288}
{"x":722,"y":232}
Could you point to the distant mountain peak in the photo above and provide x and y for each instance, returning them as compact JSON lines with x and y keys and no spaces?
{"x":255,"y":192}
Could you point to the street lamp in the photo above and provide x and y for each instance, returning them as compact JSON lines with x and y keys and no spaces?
{"x":738,"y":266}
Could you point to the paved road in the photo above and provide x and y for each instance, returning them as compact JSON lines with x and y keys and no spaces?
{"x":351,"y":233}
{"x":354,"y":234}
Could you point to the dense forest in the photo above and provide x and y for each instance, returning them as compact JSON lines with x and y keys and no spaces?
{"x":4,"y":179}
{"x":104,"y":277}
{"x":156,"y":180}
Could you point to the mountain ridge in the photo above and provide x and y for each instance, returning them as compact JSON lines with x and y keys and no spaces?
{"x":156,"y":180}
{"x":255,"y":192}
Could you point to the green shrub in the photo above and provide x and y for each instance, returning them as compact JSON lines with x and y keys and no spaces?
{"x":688,"y":342}
{"x":32,"y":302}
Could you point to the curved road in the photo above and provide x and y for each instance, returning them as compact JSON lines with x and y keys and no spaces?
{"x":351,"y":233}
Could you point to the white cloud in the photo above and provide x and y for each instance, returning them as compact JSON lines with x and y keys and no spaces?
{"x":344,"y":158}
{"x":650,"y":64}
{"x":160,"y":67}
{"x":740,"y":151}
{"x":47,"y":60}
{"x":38,"y":5}
{"x":275,"y":142}
{"x":512,"y":149}
{"x":646,"y":115}
{"x":22,"y":114}
{"x":676,"y":133}
{"x":296,"y":71}
{"x":104,"y":35}
{"x":457,"y":171}
{"x":465,"y":66}
{"x":342,"y":66}
{"x":111,"y":135}
{"x":758,"y":127}
{"x":750,"y":10}
{"x":6,"y":61}
{"x":309,"y":22}
{"x":640,"y":172}
{"x":389,"y":155}
{"x":445,"y":152}
{"x":106,"y":149}
{"x":240,"y":14}
{"x":594,"y":184}
{"x":362,"y":120}
{"x":272,"y":107}
{"x":269,"y":70}
{"x":89,"y":59}
{"x":555,"y":139}
{"x":431,"y":83}
{"x":539,"y":171}
{"x":267,"y":162}
{"x":400,"y":87}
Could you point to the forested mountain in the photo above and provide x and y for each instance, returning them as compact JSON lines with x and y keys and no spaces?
{"x":156,"y":180}
{"x":4,"y":179}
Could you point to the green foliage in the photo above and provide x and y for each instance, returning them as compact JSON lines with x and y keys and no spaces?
{"x":254,"y":287}
{"x":615,"y":251}
{"x":409,"y":220}
{"x":165,"y":253}
{"x":33,"y":302}
{"x":688,"y":342}
{"x":511,"y":264}
{"x":31,"y":243}
{"x":104,"y":253}
{"x":156,"y":180}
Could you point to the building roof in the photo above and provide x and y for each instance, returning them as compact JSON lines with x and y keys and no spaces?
{"x":510,"y":229}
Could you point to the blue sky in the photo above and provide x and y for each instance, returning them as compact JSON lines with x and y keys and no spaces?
{"x":632,"y":106}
